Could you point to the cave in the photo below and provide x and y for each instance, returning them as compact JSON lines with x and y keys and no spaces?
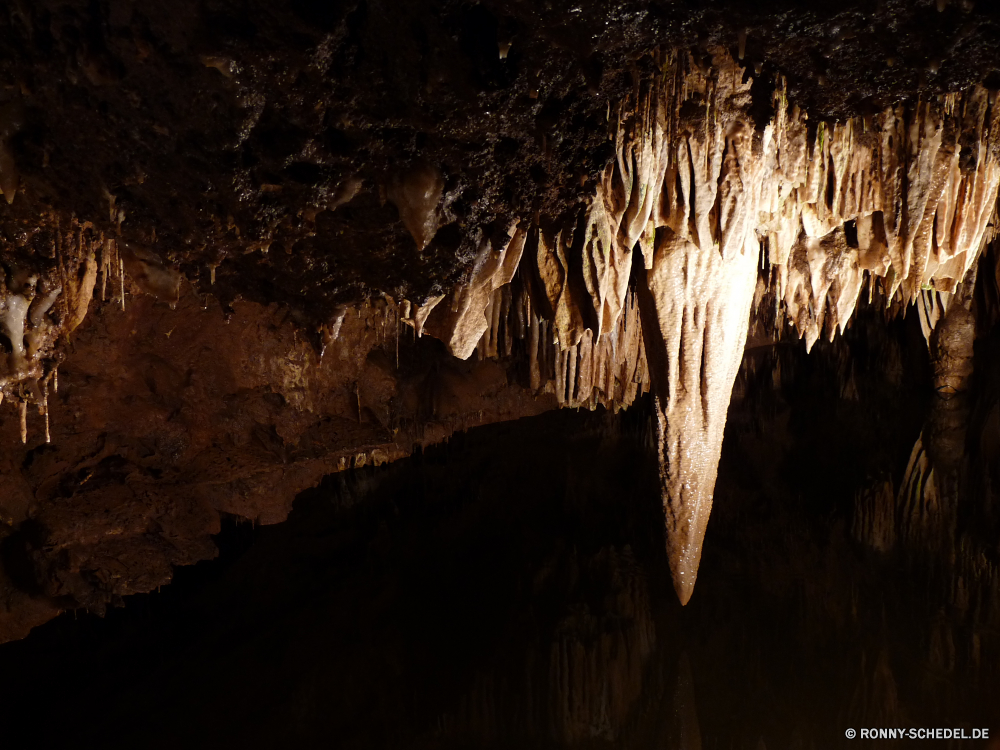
{"x":499,"y":373}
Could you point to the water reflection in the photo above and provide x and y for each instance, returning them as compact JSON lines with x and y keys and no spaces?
{"x":510,"y":590}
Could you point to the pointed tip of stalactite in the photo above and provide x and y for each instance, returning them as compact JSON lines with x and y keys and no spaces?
{"x":684,"y":545}
{"x":417,"y":195}
{"x":684,"y":562}
{"x":684,"y":587}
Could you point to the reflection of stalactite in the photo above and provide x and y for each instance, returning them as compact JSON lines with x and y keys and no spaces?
{"x":925,"y":520}
{"x":596,"y":665}
{"x":929,"y":496}
{"x":876,"y":699}
{"x":686,"y":727}
{"x":922,"y":513}
{"x":581,"y":685}
{"x":874,"y":521}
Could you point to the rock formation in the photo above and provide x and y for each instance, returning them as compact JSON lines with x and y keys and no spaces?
{"x":894,"y":200}
{"x":704,"y":220}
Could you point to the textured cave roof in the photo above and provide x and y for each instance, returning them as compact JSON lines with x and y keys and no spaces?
{"x":217,"y":132}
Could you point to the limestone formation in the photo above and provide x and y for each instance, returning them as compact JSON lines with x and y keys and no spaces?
{"x":893,"y":200}
{"x":725,"y":212}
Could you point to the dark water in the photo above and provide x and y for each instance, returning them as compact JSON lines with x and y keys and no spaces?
{"x":510,"y":590}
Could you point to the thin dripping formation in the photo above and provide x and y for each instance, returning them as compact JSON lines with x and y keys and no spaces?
{"x":41,"y":303}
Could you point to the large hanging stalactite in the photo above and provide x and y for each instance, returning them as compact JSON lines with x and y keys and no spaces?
{"x":726,"y":215}
{"x":905,"y":197}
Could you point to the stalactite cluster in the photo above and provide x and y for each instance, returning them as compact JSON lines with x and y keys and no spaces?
{"x":46,"y":288}
{"x":705,"y":223}
{"x":902,"y":202}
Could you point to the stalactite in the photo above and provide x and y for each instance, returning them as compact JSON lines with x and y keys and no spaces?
{"x":39,"y":307}
{"x":150,"y":274}
{"x":707,"y":198}
{"x":733,"y":221}
{"x":11,"y":121}
{"x":461,"y":321}
{"x":417,"y":195}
